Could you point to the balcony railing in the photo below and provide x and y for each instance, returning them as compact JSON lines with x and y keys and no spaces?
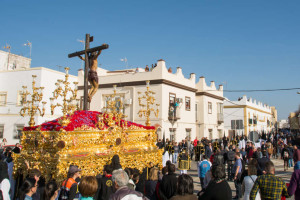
{"x":220,"y":118}
{"x":174,"y":115}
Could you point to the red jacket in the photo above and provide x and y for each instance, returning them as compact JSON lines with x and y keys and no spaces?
{"x":195,"y":142}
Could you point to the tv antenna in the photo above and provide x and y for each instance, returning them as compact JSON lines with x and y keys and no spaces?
{"x":30,"y":46}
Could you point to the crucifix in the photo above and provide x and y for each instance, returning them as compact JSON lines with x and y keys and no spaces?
{"x":90,"y":68}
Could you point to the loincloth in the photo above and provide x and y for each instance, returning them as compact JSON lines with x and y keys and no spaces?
{"x":93,"y":76}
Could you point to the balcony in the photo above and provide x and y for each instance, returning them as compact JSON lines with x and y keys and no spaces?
{"x":220,"y":118}
{"x":174,"y":115}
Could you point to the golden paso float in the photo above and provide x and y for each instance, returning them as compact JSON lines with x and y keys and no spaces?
{"x":88,"y":139}
{"x":89,"y":142}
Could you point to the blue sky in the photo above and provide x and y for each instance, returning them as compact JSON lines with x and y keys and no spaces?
{"x":246,"y":44}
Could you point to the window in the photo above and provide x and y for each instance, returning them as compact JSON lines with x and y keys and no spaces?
{"x":3,"y":98}
{"x":18,"y":133}
{"x":172,"y":98}
{"x":172,"y":134}
{"x":209,"y":108}
{"x":172,"y":111}
{"x":236,"y":124}
{"x":117,"y":99}
{"x":19,"y":98}
{"x":1,"y":130}
{"x":220,"y":108}
{"x":250,"y":121}
{"x":255,"y":120}
{"x":187,"y":103}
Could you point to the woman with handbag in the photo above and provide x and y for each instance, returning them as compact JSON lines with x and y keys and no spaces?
{"x":248,"y":182}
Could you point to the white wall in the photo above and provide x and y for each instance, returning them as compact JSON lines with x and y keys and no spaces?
{"x":209,"y":121}
{"x":233,"y":114}
{"x":12,"y":82}
{"x":14,"y":61}
{"x":236,"y":110}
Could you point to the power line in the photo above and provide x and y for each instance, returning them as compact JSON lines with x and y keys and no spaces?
{"x":264,"y":90}
{"x":231,"y":102}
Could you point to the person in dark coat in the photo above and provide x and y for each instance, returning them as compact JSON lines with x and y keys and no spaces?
{"x":168,"y":185}
{"x":185,"y":188}
{"x":262,"y":163}
{"x":160,"y":144}
{"x":105,"y":187}
{"x":225,"y":141}
{"x":218,"y":188}
{"x":208,"y":150}
{"x":115,"y":163}
{"x":150,"y":185}
{"x":17,"y":148}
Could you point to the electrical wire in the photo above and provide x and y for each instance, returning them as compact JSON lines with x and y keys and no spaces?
{"x":263,"y":90}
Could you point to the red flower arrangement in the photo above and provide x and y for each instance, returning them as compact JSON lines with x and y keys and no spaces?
{"x":82,"y":118}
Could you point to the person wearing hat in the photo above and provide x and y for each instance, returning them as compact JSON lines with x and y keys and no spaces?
{"x":69,"y":186}
{"x":184,"y":162}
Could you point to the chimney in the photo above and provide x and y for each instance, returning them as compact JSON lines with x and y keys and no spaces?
{"x":221,"y":87}
{"x":161,"y":63}
{"x":179,"y":70}
{"x":192,"y":76}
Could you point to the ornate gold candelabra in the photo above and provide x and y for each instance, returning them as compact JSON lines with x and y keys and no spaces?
{"x":147,"y":108}
{"x":70,"y":103}
{"x":114,"y":107}
{"x":32,"y":107}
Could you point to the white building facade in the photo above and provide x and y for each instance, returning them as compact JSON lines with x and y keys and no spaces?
{"x":209,"y":109}
{"x":284,"y":123}
{"x":200,"y":107}
{"x":10,"y":61}
{"x":168,"y":88}
{"x":248,"y":117}
{"x":11,"y":82}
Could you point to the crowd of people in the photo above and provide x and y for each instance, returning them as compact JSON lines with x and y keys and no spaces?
{"x":248,"y":164}
{"x":115,"y":183}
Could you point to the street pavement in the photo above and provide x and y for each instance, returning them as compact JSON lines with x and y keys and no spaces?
{"x":285,"y":175}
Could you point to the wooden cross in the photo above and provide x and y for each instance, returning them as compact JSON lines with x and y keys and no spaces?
{"x":87,"y":53}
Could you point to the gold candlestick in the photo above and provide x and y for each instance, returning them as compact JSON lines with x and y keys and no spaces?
{"x":147,"y":108}
{"x":69,"y":98}
{"x":32,"y":107}
{"x":114,"y":108}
